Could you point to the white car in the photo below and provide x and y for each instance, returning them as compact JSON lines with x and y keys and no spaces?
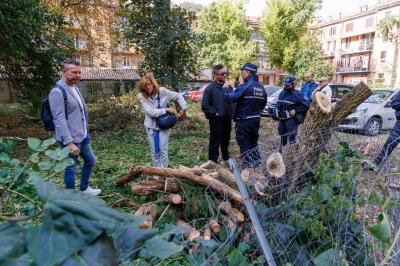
{"x":373,"y":115}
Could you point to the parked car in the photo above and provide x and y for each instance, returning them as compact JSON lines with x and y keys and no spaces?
{"x":271,"y":89}
{"x":338,"y":91}
{"x":195,"y":95}
{"x":374,"y":114}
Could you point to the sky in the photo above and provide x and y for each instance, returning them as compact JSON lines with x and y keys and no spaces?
{"x":329,"y":7}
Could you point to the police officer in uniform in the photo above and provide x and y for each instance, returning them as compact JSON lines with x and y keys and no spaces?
{"x":290,"y":110}
{"x":250,"y":99}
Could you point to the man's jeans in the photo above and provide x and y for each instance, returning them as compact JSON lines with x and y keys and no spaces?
{"x":390,"y":144}
{"x":159,"y":152}
{"x":88,"y":163}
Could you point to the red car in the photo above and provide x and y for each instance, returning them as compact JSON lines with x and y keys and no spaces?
{"x":196,"y":95}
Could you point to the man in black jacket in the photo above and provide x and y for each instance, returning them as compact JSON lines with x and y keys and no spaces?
{"x":219,"y":115}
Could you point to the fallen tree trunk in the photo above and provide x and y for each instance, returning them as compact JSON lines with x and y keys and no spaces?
{"x":204,"y":179}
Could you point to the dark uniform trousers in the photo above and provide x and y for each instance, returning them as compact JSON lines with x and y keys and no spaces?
{"x":220,"y":135}
{"x":247,"y":138}
{"x":390,"y":144}
{"x":287,"y":130}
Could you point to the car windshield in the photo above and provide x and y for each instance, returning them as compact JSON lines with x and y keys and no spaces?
{"x":276,"y":93}
{"x":379,"y":96}
{"x":270,"y":90}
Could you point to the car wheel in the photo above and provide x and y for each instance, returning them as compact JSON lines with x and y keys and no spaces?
{"x":373,"y":126}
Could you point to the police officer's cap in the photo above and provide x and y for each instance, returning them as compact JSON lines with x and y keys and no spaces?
{"x":289,"y":80}
{"x":249,"y":67}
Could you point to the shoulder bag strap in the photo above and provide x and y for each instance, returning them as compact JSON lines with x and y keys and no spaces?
{"x":65,"y":99}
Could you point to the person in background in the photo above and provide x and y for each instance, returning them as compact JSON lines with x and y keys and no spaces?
{"x":219,"y":115}
{"x":392,"y":141}
{"x":308,"y":87}
{"x":291,"y":109}
{"x":73,"y":132}
{"x":250,"y":99}
{"x":151,"y":96}
{"x":324,"y":88}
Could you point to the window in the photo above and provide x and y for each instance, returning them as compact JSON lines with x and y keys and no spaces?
{"x":101,"y":47}
{"x":126,"y":61}
{"x":334,"y":46}
{"x":369,"y":22}
{"x":383,"y":57}
{"x":332,"y":31}
{"x":328,"y":46}
{"x":102,"y":65}
{"x":381,"y":75}
{"x":388,"y":14}
{"x":78,"y":58}
{"x":349,"y":27}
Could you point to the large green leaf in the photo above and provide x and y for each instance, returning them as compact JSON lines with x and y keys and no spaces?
{"x":381,"y":231}
{"x":235,"y":258}
{"x":4,"y":157}
{"x":129,"y":238}
{"x":60,"y":166}
{"x":44,"y":189}
{"x":34,"y":143}
{"x":34,"y":158}
{"x":45,"y":144}
{"x":45,"y":165}
{"x":100,"y":253}
{"x":161,"y":249}
{"x":12,"y":241}
{"x":71,"y":221}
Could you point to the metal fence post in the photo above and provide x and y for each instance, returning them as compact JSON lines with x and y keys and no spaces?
{"x":252,"y":213}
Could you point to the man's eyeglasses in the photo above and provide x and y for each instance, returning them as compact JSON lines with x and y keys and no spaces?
{"x":222,"y":74}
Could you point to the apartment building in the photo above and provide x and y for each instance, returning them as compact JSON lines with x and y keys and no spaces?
{"x":95,"y":41}
{"x":353,"y":46}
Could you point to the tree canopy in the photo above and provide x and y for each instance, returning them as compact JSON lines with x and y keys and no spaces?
{"x":31,"y":48}
{"x":290,"y":43}
{"x":164,"y":35}
{"x":225,"y":36}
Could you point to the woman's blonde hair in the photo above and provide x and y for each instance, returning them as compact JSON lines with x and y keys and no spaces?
{"x":142,"y":85}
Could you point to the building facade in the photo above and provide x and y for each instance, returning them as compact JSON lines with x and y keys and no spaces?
{"x":354,"y":47}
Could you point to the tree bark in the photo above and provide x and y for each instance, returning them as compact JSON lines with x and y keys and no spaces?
{"x":154,"y":186}
{"x":150,"y":211}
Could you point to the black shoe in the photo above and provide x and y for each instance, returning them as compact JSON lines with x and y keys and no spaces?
{"x":369,"y":166}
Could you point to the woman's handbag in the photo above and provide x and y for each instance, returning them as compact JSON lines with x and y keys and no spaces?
{"x":165,"y":121}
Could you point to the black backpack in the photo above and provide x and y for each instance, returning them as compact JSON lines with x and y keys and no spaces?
{"x":45,"y":112}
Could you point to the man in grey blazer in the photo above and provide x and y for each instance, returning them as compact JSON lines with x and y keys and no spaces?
{"x":72,"y":130}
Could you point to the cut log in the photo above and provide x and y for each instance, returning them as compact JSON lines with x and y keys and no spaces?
{"x":225,"y":207}
{"x":150,"y":211}
{"x":204,"y":179}
{"x":238,"y":215}
{"x":227,"y":177}
{"x":215,"y":226}
{"x":214,"y":175}
{"x":275,"y":165}
{"x":207,"y":233}
{"x":154,"y":186}
{"x":191,"y":233}
{"x":173,"y":199}
{"x":229,"y":222}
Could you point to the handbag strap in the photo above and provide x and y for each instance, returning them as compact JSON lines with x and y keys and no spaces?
{"x":158,"y":99}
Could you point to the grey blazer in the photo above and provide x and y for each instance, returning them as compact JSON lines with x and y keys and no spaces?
{"x":73,"y":129}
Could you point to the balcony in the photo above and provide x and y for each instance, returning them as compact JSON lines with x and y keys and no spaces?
{"x":329,"y":54}
{"x":352,"y":69}
{"x":123,"y":49}
{"x":358,"y":47}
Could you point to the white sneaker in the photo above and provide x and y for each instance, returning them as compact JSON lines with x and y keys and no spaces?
{"x":92,"y":191}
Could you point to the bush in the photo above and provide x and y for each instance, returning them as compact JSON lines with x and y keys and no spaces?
{"x":115,"y":113}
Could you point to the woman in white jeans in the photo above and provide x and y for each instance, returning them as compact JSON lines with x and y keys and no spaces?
{"x":149,"y":91}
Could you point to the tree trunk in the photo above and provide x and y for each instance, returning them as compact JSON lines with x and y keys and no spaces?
{"x":316,"y":131}
{"x":394,"y":65}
